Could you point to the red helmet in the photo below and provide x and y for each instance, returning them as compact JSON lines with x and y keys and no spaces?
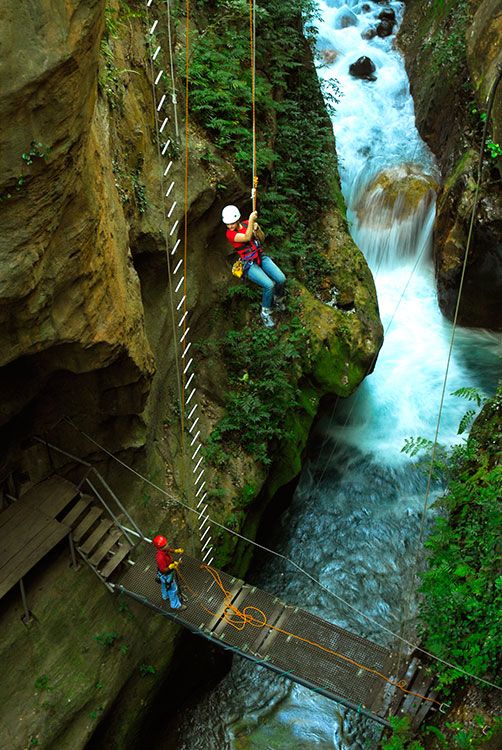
{"x":160,"y":541}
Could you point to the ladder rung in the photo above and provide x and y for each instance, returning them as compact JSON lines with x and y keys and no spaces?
{"x":105,"y":546}
{"x":96,"y":536}
{"x":88,"y":520}
{"x":115,"y":561}
{"x":77,"y":510}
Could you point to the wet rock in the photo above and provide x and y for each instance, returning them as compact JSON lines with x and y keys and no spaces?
{"x":387,"y":15}
{"x":395,"y":194}
{"x":384,"y":28}
{"x":364,"y":68}
{"x":345,"y":18}
{"x":369,"y":33}
{"x":329,"y":55}
{"x":365,"y":8}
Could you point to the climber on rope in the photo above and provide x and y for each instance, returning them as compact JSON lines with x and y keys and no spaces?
{"x":246,"y":237}
{"x":166,"y":572}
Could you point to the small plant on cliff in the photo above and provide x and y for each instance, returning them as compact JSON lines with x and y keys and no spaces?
{"x":146,"y":669}
{"x":107,"y":638}
{"x":36,"y":151}
{"x":42,"y":682}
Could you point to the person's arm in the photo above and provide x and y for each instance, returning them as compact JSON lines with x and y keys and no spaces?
{"x":246,"y":236}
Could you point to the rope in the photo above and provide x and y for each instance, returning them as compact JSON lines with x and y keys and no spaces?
{"x":239,"y":619}
{"x":275,"y":554}
{"x":252,"y":45}
{"x":171,"y":66}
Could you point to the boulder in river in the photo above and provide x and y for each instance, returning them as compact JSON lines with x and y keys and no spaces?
{"x":387,"y":15}
{"x":329,"y":55}
{"x":345,"y":18}
{"x":369,"y":33}
{"x":365,"y":8}
{"x":363,"y":68}
{"x":395,"y":194}
{"x":384,"y":28}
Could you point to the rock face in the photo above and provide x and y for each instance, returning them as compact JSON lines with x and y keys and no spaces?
{"x":441,"y":52}
{"x":70,"y":303}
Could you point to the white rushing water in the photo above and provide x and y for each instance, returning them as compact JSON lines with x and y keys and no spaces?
{"x":355,"y":519}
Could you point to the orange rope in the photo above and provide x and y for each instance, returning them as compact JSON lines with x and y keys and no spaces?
{"x":253,"y":95}
{"x":238,"y":619}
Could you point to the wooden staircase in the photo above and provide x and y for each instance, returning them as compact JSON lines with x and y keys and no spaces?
{"x":98,"y":538}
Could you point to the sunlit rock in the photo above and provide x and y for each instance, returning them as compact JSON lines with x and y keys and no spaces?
{"x":395,"y":194}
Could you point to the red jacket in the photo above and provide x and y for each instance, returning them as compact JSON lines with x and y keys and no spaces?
{"x":163,"y":560}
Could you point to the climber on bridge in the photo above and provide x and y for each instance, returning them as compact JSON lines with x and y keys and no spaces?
{"x":246,"y":237}
{"x":166,"y":572}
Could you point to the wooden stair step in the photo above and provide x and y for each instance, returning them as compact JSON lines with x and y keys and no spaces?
{"x":112,"y":537}
{"x":115,"y":561}
{"x":87,"y":522}
{"x":72,"y":516}
{"x":96,"y":536}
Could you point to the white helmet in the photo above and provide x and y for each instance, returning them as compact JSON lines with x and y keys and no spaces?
{"x":230,"y":214}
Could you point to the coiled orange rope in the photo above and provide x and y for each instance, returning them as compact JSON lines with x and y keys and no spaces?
{"x":256,"y":618}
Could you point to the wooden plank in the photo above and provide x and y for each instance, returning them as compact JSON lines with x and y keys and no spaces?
{"x":115,"y":561}
{"x":96,"y":536}
{"x":57,"y":496}
{"x":87,"y":522}
{"x":19,"y":565}
{"x":79,"y":507}
{"x":21,"y":531}
{"x":105,"y":546}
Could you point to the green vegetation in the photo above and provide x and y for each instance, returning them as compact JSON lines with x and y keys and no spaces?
{"x":36,"y":151}
{"x":264,"y":369}
{"x":456,"y":736}
{"x":462,"y":587}
{"x":42,"y":682}
{"x":492,"y":148}
{"x":295,"y":153}
{"x":146,"y":669}
{"x":447,"y":45}
{"x":298,"y":184}
{"x":107,"y":638}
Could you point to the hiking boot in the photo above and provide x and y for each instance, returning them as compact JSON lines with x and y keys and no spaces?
{"x":179,"y":609}
{"x":266,"y":317}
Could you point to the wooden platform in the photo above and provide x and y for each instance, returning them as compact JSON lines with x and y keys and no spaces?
{"x":307,"y":649}
{"x":29,"y":529}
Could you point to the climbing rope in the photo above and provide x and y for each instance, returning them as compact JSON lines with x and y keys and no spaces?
{"x":256,"y":618}
{"x":252,"y":45}
{"x":279,"y":555}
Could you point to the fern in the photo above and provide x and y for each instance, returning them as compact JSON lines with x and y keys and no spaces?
{"x":412,"y":446}
{"x":471,"y":394}
{"x":466,"y":421}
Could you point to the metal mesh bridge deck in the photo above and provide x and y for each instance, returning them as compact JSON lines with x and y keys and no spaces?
{"x":286,"y":639}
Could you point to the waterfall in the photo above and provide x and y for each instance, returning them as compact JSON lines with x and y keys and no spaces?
{"x":356,"y":518}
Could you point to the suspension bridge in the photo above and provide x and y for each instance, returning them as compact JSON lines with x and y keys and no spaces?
{"x":351,"y":670}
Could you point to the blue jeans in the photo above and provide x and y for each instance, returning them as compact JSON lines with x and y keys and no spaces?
{"x":269,"y":277}
{"x":169,"y":589}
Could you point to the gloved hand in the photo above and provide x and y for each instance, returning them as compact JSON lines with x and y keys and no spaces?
{"x":173,"y":566}
{"x":179,"y":551}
